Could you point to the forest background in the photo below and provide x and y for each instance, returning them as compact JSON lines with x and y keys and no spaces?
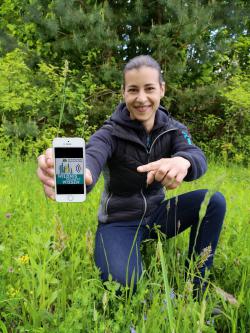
{"x":61,"y":68}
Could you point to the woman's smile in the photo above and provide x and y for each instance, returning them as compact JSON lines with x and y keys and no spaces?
{"x":142,"y":108}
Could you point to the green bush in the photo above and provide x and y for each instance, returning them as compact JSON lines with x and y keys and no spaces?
{"x":36,"y":105}
{"x":235,"y":142}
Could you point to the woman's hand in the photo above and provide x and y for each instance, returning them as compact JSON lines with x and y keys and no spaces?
{"x":46,"y":171}
{"x":168,"y":171}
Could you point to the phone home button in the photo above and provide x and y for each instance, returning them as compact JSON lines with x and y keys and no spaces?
{"x":70,"y":197}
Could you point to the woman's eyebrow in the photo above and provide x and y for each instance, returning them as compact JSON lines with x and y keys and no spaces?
{"x":129,"y":86}
{"x":132,"y":86}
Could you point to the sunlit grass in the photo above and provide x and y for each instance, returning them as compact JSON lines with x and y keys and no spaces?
{"x":49,"y":282}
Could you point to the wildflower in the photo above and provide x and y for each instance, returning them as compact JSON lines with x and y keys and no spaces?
{"x":23,"y":259}
{"x":10,"y":269}
{"x":8,"y":215}
{"x":132,"y":330}
{"x":210,"y":322}
{"x":172,"y":294}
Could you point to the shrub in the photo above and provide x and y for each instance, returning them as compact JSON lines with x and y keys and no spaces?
{"x":37,"y":105}
{"x":235,"y":143}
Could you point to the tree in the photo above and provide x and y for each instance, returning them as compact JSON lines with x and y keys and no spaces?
{"x":199,"y":44}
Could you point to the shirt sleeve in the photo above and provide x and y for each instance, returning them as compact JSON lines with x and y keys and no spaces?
{"x":183,"y":146}
{"x":98,"y":150}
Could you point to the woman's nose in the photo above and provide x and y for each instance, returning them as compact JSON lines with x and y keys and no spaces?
{"x":141,"y":97}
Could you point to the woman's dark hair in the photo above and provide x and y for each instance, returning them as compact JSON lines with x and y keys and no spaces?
{"x":140,"y":61}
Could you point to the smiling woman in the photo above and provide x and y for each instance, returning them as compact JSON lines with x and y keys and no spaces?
{"x":142,"y":94}
{"x":142,"y":150}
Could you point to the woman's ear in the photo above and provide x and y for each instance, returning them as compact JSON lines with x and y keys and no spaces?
{"x":163,"y":89}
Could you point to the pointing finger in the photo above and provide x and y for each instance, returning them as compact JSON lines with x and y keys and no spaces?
{"x":149,"y":167}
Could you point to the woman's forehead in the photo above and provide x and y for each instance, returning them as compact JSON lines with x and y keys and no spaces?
{"x":142,"y":75}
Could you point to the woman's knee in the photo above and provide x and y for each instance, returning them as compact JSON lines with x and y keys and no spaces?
{"x":218,"y":205}
{"x":219,"y":201}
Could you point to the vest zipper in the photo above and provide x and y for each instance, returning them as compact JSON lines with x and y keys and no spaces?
{"x":171,"y":129}
{"x":145,"y":204}
{"x":148,"y":154}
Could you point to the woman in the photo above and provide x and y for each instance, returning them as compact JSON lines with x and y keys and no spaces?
{"x":142,"y":151}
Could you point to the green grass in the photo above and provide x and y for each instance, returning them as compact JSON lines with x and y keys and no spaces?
{"x":49,"y":282}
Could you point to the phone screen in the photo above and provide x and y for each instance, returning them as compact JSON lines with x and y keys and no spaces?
{"x":69,"y":168}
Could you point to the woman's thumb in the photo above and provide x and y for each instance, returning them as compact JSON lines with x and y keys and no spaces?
{"x":88,"y":177}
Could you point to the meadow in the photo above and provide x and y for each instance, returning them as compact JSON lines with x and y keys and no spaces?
{"x":49,"y":282}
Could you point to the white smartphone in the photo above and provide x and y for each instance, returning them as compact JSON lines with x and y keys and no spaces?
{"x":69,"y":161}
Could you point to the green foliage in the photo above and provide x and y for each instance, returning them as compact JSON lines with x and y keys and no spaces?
{"x":49,"y":282}
{"x":15,"y":29}
{"x":16,"y":89}
{"x":199,"y":44}
{"x":33,"y":104}
{"x":236,"y":140}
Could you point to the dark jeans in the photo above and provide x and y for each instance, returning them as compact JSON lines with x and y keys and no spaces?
{"x":115,"y":240}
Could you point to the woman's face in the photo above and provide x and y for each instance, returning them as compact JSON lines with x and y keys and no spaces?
{"x":142,"y":94}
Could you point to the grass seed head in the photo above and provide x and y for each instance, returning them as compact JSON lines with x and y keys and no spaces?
{"x":205,"y":254}
{"x":60,"y":236}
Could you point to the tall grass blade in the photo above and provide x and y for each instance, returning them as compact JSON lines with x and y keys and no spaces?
{"x":3,"y":327}
{"x":65,"y":72}
{"x":166,"y":287}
